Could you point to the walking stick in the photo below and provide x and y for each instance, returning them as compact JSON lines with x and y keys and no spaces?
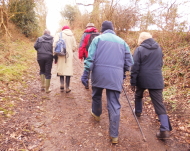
{"x":134,"y":115}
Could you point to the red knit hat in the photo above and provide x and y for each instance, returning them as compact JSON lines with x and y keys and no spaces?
{"x":65,"y":27}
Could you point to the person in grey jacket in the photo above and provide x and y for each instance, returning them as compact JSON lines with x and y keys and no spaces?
{"x":44,"y":48}
{"x":109,"y":58}
{"x":146,"y":73}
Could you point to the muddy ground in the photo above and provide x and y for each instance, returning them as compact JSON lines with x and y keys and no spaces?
{"x":61,"y":121}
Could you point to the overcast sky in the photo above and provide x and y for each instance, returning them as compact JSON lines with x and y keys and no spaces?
{"x":54,"y":7}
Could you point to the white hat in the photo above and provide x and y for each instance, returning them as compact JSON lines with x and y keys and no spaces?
{"x":143,"y":36}
{"x":90,"y":25}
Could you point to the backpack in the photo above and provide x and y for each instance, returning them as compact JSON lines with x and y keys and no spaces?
{"x":60,"y":48}
{"x":92,"y":36}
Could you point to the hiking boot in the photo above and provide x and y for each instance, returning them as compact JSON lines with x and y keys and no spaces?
{"x":163,"y":135}
{"x":114,"y":140}
{"x":97,"y":118}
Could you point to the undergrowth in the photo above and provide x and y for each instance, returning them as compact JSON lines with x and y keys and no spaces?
{"x":15,"y":60}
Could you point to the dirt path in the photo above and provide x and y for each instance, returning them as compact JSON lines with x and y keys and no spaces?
{"x":65,"y":123}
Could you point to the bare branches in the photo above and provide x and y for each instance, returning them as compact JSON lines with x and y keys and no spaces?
{"x":84,"y":4}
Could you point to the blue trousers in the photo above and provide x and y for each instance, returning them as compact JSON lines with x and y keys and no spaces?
{"x":113,"y":107}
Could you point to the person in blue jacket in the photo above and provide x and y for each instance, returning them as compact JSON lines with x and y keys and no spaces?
{"x":109,"y":58}
{"x":146,"y":73}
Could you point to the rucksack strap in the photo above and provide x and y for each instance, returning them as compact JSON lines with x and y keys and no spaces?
{"x":60,"y":37}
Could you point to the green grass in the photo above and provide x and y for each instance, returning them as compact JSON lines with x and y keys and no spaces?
{"x":13,"y":68}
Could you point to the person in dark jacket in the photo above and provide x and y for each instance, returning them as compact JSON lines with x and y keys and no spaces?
{"x":44,"y":48}
{"x":146,"y":73}
{"x":83,"y":52}
{"x":109,"y":58}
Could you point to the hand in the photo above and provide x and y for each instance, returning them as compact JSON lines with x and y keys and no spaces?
{"x":81,"y":60}
{"x":84,"y":78}
{"x":133,"y":88}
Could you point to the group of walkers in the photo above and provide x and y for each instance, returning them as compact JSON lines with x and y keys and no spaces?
{"x":106,"y":60}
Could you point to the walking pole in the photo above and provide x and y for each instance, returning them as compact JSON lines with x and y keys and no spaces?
{"x":134,"y":115}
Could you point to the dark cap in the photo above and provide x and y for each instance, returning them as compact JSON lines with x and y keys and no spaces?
{"x":106,"y":25}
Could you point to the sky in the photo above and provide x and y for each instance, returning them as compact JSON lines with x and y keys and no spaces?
{"x":54,"y":7}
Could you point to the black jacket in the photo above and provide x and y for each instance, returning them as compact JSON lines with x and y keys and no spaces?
{"x":147,"y":69}
{"x":44,"y":46}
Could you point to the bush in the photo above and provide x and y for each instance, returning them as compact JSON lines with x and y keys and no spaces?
{"x":24,"y":16}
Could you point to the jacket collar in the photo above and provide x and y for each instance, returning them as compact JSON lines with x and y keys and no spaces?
{"x":109,"y":31}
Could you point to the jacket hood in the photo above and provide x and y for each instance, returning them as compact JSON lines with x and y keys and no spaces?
{"x":91,"y":29}
{"x":46,"y":37}
{"x":67,"y":32}
{"x":149,"y":43}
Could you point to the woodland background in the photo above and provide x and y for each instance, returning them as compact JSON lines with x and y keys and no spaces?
{"x":22,"y":21}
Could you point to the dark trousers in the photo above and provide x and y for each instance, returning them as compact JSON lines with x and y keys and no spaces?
{"x":46,"y":66}
{"x":157,"y":100}
{"x":113,"y":106}
{"x":67,"y":81}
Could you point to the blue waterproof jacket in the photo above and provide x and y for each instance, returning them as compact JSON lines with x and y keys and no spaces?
{"x":147,"y":69}
{"x":108,"y":58}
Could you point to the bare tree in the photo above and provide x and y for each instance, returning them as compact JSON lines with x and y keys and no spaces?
{"x":4,"y":18}
{"x":41,"y":13}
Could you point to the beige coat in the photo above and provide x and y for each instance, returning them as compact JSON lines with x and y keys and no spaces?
{"x":65,"y":67}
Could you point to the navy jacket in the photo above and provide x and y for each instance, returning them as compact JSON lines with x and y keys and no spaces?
{"x":44,"y":47}
{"x":147,"y":69}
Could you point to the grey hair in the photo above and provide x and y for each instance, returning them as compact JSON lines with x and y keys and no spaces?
{"x":143,"y":36}
{"x":46,"y":31}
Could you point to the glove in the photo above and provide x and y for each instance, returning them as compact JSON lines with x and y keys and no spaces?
{"x":84,"y":78}
{"x":56,"y":58}
{"x":124,"y":77}
{"x":133,"y":88}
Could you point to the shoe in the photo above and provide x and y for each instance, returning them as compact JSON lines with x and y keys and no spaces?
{"x":138,"y":114}
{"x":68,"y":90}
{"x":48,"y":85}
{"x":97,"y":118}
{"x":163,"y":135}
{"x":114,"y":140}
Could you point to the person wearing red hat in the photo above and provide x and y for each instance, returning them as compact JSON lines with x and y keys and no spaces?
{"x":65,"y":64}
{"x":65,"y":27}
